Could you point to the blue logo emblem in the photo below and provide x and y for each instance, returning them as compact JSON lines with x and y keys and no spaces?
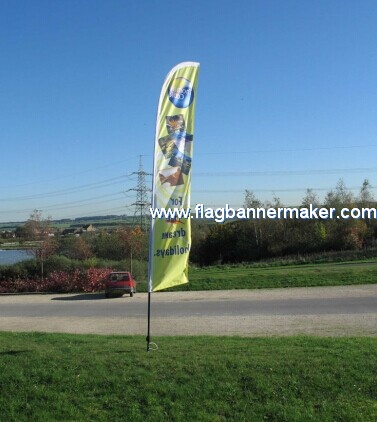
{"x":181,"y":92}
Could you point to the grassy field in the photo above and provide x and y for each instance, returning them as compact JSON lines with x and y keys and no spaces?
{"x":70,"y":377}
{"x":255,"y":277}
{"x":269,"y":274}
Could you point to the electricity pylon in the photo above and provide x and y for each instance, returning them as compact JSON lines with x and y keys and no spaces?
{"x":142,"y":197}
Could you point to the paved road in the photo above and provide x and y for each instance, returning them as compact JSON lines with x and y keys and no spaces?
{"x":350,"y":310}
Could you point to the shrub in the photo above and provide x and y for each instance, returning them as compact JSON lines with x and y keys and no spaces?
{"x":58,"y":263}
{"x":11,"y":272}
{"x":90,"y":280}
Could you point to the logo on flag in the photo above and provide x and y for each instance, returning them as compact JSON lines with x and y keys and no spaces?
{"x":181,"y":93}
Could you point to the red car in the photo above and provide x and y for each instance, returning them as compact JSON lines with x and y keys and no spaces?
{"x":119,"y":283}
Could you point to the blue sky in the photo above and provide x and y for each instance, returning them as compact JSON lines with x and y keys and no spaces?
{"x":284,"y":87}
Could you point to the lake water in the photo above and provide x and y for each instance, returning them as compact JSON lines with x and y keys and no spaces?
{"x":13,"y":256}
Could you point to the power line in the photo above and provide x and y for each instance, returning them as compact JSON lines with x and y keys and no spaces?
{"x":64,"y":177}
{"x":288,"y":172}
{"x":100,"y":184}
{"x":120,"y":180}
{"x":275,"y":190}
{"x":271,"y":151}
{"x":262,"y":151}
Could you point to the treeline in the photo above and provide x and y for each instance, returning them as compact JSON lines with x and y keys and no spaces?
{"x":259,"y":239}
{"x":230,"y":242}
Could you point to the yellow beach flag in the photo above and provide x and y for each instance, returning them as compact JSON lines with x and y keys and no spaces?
{"x":170,"y":238}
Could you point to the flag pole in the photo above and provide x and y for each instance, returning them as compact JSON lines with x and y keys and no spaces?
{"x":172,"y":157}
{"x":149,"y":323}
{"x":151,"y":236}
{"x":150,"y":280}
{"x":151,"y":233}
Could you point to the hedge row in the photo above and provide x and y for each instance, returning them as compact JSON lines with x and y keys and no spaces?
{"x":90,"y":280}
{"x":31,"y":269}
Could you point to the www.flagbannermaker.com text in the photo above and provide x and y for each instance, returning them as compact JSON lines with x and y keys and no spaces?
{"x":221,"y":214}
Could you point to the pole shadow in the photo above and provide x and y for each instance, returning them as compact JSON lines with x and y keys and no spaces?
{"x":14,"y":352}
{"x":82,"y":296}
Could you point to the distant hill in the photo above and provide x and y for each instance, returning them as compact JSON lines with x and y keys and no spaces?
{"x":98,"y":221}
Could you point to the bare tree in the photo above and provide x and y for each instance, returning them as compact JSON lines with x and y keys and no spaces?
{"x":38,"y":229}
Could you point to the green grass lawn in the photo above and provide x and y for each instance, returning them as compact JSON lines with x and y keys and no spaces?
{"x":255,"y":277}
{"x":47,"y":377}
{"x":289,"y":276}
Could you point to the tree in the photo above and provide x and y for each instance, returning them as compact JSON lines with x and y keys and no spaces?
{"x":311,"y":198}
{"x":311,"y":234}
{"x":199,"y":233}
{"x":366,"y":199}
{"x":341,"y":233}
{"x":339,"y":198}
{"x":39,"y":230}
{"x":139,"y":243}
{"x":252,"y":202}
{"x":275,"y":230}
{"x":80,"y":249}
{"x":108,"y":246}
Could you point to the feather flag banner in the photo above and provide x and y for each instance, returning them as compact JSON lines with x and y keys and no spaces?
{"x":170,"y":238}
